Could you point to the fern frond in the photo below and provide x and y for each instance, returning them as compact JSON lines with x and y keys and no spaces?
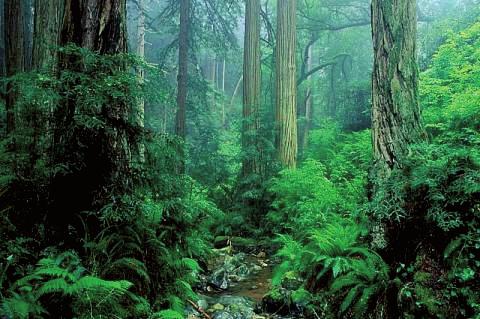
{"x":96,"y":284}
{"x":191,"y":264}
{"x":343,"y":282}
{"x":54,"y":271}
{"x":349,"y":298}
{"x":362,"y":304}
{"x":57,"y":285}
{"x":131,"y":264}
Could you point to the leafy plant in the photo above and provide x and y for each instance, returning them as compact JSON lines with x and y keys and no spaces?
{"x":365,"y":283}
{"x":64,"y":277}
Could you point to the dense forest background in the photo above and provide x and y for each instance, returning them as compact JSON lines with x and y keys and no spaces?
{"x":156,"y":154}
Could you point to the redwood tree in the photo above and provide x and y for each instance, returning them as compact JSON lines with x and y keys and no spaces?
{"x":395,"y":110}
{"x":286,"y":87}
{"x":14,"y":53}
{"x":182,"y":77}
{"x":47,"y":23}
{"x":251,"y":88}
{"x":105,"y":153}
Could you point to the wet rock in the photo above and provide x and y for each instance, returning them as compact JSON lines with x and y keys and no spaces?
{"x":256,"y":268}
{"x":242,"y":271}
{"x":261,"y":254}
{"x":219,"y":279}
{"x":222,"y":315}
{"x":228,"y":300}
{"x":218,"y":306}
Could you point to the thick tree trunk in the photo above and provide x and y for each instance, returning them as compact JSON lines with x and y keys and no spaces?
{"x":46,"y":34}
{"x":395,"y":111}
{"x":286,"y":86}
{"x":99,"y":26}
{"x":96,"y":25}
{"x":182,"y":77}
{"x":14,"y":53}
{"x":251,"y":89}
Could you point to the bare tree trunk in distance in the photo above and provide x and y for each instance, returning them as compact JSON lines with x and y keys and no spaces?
{"x":251,"y":88}
{"x":140,"y":112}
{"x":182,"y":78}
{"x":286,"y":86}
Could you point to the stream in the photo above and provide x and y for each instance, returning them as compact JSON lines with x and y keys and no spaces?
{"x":235,"y":288}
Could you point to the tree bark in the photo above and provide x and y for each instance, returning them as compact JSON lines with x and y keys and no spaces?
{"x":251,"y":89}
{"x":14,"y":54}
{"x":28,"y":30}
{"x":99,"y":26}
{"x":46,"y":34}
{"x":182,"y":77}
{"x":395,"y":110}
{"x":2,"y":43}
{"x":286,"y":87}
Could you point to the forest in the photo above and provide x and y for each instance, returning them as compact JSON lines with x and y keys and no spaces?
{"x":239,"y":159}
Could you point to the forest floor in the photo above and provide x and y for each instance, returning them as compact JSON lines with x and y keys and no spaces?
{"x":235,"y":287}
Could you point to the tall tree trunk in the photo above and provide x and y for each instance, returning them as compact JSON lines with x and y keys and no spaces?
{"x":182,"y":77}
{"x":308,"y":101}
{"x":2,"y":41}
{"x":28,"y":30}
{"x":251,"y":88}
{"x":213,"y":78}
{"x":99,"y":26}
{"x":46,"y":34}
{"x":224,"y":65}
{"x":286,"y":87}
{"x":14,"y":53}
{"x":140,"y":112}
{"x":395,"y":110}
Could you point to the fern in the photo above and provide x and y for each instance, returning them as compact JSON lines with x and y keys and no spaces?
{"x":21,"y":307}
{"x":368,"y":278}
{"x":130,"y":264}
{"x":63,"y":276}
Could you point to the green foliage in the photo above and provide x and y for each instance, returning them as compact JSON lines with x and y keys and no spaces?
{"x":167,"y":314}
{"x":357,"y":273}
{"x":65,"y":278}
{"x":449,"y":87}
{"x":132,"y":256}
{"x":304,"y":197}
{"x":365,"y":283}
{"x":433,"y":199}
